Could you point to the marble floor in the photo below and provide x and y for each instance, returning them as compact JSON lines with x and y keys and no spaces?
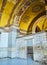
{"x":18,"y":61}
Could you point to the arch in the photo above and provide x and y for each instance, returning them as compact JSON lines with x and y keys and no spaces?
{"x":40,"y":22}
{"x":31,"y":15}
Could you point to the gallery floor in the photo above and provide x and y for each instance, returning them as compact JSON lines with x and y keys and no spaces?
{"x":17,"y":61}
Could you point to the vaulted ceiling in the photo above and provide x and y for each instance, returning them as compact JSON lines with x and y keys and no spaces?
{"x":29,"y":15}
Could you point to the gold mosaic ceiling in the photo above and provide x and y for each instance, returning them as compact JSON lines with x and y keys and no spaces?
{"x":29,"y":15}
